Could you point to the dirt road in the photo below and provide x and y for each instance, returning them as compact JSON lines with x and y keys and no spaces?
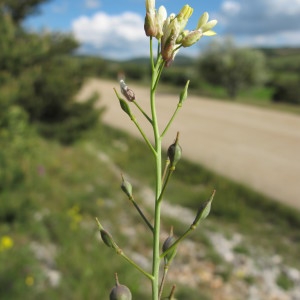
{"x":257,"y":147}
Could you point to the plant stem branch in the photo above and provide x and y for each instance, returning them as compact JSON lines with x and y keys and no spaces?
{"x":141,"y":214}
{"x":120,"y":252}
{"x":171,"y":170}
{"x":179,"y":105}
{"x":174,"y":245}
{"x":163,"y":280}
{"x":143,"y":135}
{"x":156,"y":71}
{"x":143,"y":112}
{"x":165,"y":169}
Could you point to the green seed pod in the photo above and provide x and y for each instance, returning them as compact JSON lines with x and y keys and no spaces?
{"x":120,"y":291}
{"x":166,"y":245}
{"x":174,"y":152}
{"x":106,"y":237}
{"x":126,"y":187}
{"x":183,"y":94}
{"x":204,"y":210}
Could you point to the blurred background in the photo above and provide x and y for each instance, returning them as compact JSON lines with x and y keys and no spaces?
{"x":60,"y":160}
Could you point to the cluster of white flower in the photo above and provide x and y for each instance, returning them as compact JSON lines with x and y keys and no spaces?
{"x":171,"y":32}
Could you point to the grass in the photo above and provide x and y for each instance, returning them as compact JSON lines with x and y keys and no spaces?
{"x":235,"y":206}
{"x":64,"y":188}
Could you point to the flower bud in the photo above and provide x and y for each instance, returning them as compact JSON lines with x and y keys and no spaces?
{"x":120,"y":291}
{"x":149,"y":25}
{"x":150,"y":19}
{"x":171,"y":31}
{"x":184,"y":15}
{"x":166,"y":245}
{"x":203,"y":20}
{"x":161,"y":16}
{"x":191,"y":38}
{"x":174,"y":152}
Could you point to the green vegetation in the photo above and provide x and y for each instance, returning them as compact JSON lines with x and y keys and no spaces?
{"x":279,"y":91}
{"x":62,"y":189}
{"x":38,"y":75}
{"x":52,"y":189}
{"x":233,"y":68}
{"x":284,"y":282}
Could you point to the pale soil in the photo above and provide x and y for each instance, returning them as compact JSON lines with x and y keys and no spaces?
{"x":257,"y":147}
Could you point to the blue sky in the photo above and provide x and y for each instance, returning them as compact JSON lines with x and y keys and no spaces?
{"x":114,"y":28}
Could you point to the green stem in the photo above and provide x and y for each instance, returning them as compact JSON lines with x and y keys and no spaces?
{"x":161,"y":288}
{"x":165,"y":169}
{"x":172,"y":118}
{"x":120,"y":252}
{"x":141,"y":213}
{"x":151,"y":55}
{"x":174,"y":245}
{"x":143,"y":134}
{"x":159,"y":68}
{"x":143,"y":112}
{"x":156,"y":71}
{"x":171,"y":170}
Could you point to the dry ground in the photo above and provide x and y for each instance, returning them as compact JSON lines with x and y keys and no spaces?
{"x":257,"y":147}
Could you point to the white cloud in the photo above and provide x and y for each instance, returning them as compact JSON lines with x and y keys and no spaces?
{"x":265,"y":22}
{"x":116,"y":36}
{"x":230,"y":7}
{"x":92,"y":3}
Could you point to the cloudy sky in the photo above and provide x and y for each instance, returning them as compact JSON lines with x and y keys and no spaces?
{"x":114,"y":28}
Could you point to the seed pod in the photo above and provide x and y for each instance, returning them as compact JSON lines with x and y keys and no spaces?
{"x":124,"y":105}
{"x":204,"y":210}
{"x":120,"y":291}
{"x":126,"y":187}
{"x":127,"y":92}
{"x":174,"y":152}
{"x":166,"y":245}
{"x":184,"y":93}
{"x":106,"y":237}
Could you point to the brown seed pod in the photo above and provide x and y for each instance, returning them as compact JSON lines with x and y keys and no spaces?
{"x":120,"y":291}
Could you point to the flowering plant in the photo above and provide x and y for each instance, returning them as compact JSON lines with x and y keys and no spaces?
{"x":171,"y":35}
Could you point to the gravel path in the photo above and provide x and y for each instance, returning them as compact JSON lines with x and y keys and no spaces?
{"x":257,"y":147}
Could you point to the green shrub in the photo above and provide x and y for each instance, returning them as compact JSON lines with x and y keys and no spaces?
{"x":16,"y":139}
{"x":287,"y":91}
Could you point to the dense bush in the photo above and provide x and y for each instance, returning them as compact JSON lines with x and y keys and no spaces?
{"x":38,"y":73}
{"x":233,"y":68}
{"x":15,"y":141}
{"x":287,"y":91}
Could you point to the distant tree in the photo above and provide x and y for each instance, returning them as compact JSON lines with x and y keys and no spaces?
{"x":20,"y":9}
{"x":233,"y":68}
{"x":287,"y":91}
{"x":38,"y":73}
